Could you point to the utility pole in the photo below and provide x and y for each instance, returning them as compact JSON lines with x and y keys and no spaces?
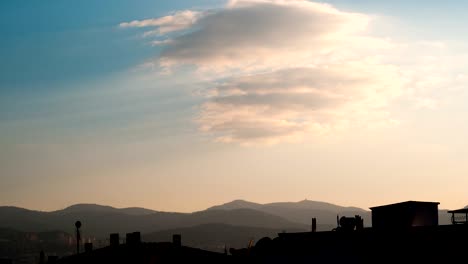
{"x":78,"y":236}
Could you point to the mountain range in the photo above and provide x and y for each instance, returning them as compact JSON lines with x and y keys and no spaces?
{"x":302,"y":212}
{"x":99,"y":221}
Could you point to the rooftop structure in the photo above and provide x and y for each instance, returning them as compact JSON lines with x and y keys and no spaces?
{"x":459,"y":216}
{"x":405,"y":215}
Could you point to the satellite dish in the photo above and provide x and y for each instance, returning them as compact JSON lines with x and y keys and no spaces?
{"x":78,"y":224}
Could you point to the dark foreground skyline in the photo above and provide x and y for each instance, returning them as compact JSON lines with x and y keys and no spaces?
{"x":226,"y":228}
{"x":407,"y":231}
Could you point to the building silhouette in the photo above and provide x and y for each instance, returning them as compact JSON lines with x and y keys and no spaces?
{"x":459,"y":216}
{"x":405,"y":215}
{"x":138,"y":252}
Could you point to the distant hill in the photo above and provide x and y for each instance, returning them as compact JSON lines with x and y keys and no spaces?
{"x":302,"y":212}
{"x":304,"y":204}
{"x":237,"y":204}
{"x":215,"y":237}
{"x":444,"y":217}
{"x":100,"y":221}
{"x":102,"y":208}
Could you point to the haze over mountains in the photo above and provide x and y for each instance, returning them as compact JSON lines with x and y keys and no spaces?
{"x":100,"y":224}
{"x":109,"y":209}
{"x":301,"y":212}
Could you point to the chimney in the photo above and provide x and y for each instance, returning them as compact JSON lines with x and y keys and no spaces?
{"x":42,"y":257}
{"x":133,"y":238}
{"x":177,"y":240}
{"x":88,"y":247}
{"x":314,"y":225}
{"x":52,"y":259}
{"x":137,"y":237}
{"x":114,"y":240}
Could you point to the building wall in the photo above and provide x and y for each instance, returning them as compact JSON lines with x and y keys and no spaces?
{"x":426,"y":216}
{"x":405,"y":215}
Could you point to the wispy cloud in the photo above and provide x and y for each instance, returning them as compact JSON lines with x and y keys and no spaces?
{"x":178,"y":21}
{"x":161,"y":42}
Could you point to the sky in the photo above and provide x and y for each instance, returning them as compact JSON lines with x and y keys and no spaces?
{"x":181,"y":105}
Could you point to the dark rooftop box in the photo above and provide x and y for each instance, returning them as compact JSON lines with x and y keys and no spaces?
{"x":401,"y":216}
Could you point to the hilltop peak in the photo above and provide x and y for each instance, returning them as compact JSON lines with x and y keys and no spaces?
{"x":84,"y":207}
{"x":300,"y":205}
{"x":236,"y":204}
{"x":88,"y":207}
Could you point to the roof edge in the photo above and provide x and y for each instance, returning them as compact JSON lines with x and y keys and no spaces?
{"x":406,"y":202}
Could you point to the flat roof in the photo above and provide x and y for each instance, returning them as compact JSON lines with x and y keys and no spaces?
{"x":403,"y":204}
{"x":462,"y":211}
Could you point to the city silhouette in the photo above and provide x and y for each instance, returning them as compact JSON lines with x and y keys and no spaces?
{"x":401,"y":232}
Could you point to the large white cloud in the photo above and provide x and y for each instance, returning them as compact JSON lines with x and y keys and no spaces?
{"x":283,"y":70}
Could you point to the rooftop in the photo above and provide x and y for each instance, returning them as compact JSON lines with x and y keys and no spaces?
{"x":407,"y":203}
{"x":459,"y":211}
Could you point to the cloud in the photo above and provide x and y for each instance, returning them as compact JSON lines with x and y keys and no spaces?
{"x":263,"y":34}
{"x":291,"y":104}
{"x":161,"y":42}
{"x":175,"y":22}
{"x":285,"y":70}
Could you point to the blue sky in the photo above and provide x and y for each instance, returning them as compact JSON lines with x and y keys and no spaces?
{"x":50,"y":43}
{"x":75,"y":85}
{"x":53,"y":41}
